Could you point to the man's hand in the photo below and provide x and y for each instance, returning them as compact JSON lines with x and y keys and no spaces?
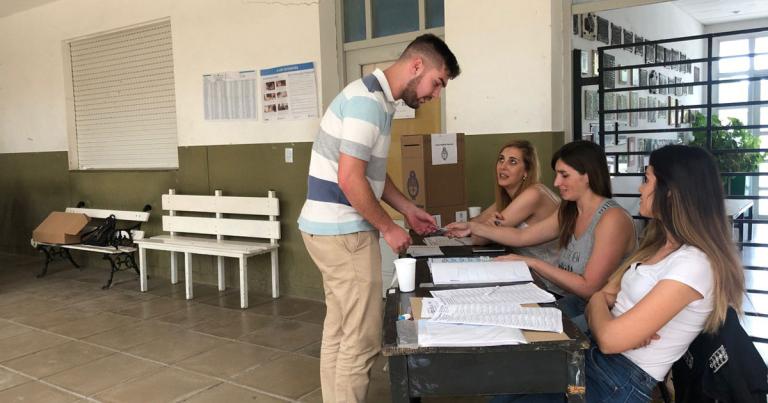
{"x":458,"y":229}
{"x":397,"y":238}
{"x":421,"y":221}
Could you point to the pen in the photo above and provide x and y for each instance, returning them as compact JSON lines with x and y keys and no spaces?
{"x":489,"y":292}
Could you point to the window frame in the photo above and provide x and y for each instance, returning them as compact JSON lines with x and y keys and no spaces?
{"x":753,"y":94}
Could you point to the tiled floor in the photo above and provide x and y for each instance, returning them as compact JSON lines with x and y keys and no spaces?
{"x":64,"y":339}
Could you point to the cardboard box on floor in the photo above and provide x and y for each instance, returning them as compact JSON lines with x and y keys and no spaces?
{"x":60,"y":228}
{"x":438,"y":189}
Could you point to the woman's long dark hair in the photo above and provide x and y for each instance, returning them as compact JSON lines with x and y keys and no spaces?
{"x":588,"y":158}
{"x":688,"y":206}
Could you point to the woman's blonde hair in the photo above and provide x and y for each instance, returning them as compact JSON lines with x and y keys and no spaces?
{"x":688,"y":207}
{"x":531,"y":165}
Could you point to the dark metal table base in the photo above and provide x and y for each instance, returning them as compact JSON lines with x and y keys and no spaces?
{"x":455,"y":374}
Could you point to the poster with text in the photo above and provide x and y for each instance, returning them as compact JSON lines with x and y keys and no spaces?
{"x":289,"y":92}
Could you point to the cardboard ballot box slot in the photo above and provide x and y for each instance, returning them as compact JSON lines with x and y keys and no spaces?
{"x":434,"y":184}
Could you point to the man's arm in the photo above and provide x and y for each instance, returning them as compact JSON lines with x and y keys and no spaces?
{"x":358,"y":191}
{"x":419,"y":220}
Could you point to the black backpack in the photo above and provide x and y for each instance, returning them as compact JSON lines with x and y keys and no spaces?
{"x":103,"y":235}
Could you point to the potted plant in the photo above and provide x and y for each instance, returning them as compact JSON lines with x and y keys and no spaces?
{"x":726,"y":137}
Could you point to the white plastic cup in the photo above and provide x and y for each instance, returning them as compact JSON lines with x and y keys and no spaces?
{"x":406,"y":273}
{"x":475,"y":211}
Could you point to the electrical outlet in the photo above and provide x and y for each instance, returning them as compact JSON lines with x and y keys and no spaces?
{"x":289,"y":155}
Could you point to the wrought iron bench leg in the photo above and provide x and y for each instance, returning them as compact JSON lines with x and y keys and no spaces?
{"x":121,"y":261}
{"x":113,"y":265}
{"x":133,"y":263}
{"x":66,"y":252}
{"x":48,"y":259}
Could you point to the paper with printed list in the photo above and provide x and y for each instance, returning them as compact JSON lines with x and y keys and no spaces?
{"x":429,"y":306}
{"x":506,"y":315}
{"x":527,"y":293}
{"x":435,"y":334}
{"x":477,"y":271}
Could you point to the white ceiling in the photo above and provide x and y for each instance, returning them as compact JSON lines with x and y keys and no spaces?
{"x":8,"y":7}
{"x":709,"y":12}
{"x":706,"y":12}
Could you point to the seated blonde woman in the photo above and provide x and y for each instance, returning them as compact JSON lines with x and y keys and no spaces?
{"x":521,"y":200}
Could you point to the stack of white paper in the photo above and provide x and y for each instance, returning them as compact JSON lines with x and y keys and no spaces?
{"x":527,"y":293}
{"x":434,"y":334}
{"x":477,"y":271}
{"x":544,"y":319}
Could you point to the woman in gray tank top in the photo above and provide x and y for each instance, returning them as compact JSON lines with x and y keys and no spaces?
{"x":594,"y":233}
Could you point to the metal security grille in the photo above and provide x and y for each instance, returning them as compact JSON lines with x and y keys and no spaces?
{"x":124,"y":100}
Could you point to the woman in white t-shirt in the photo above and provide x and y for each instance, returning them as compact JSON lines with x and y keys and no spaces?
{"x":679,"y":283}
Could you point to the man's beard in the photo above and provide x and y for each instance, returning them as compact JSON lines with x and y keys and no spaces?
{"x":409,"y":93}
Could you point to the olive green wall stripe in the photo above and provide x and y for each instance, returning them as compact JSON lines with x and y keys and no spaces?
{"x":33,"y":184}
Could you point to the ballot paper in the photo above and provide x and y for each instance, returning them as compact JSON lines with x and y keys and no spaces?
{"x":527,"y":293}
{"x":477,"y":271}
{"x":445,"y":241}
{"x":506,"y":315}
{"x":429,"y":306}
{"x":422,"y":251}
{"x":434,"y":334}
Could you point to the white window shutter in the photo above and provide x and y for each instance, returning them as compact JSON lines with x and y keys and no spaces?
{"x":124,"y":99}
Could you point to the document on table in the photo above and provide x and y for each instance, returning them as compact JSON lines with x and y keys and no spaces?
{"x":435,"y":334}
{"x":507,"y":315}
{"x":445,"y":241}
{"x":477,"y":271}
{"x":429,"y":306}
{"x":528,"y":293}
{"x":422,"y":251}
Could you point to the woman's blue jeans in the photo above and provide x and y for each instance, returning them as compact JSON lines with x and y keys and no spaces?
{"x":573,"y":307}
{"x":609,"y":379}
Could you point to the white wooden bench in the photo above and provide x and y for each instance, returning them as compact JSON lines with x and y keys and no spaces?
{"x":214,"y":230}
{"x":120,"y":257}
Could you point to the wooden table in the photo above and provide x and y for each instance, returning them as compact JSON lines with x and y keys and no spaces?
{"x":539,"y":367}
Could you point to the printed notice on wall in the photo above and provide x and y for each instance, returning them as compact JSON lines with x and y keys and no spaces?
{"x":230,"y":95}
{"x":444,"y":149}
{"x":290,"y":92}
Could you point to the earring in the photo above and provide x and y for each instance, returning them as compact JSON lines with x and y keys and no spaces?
{"x":525,"y":177}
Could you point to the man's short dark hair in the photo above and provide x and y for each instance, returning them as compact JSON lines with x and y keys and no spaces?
{"x":436,"y":51}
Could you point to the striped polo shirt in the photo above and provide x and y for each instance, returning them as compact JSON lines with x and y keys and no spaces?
{"x":357,"y":123}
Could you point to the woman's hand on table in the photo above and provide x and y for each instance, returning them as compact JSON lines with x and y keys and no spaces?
{"x":458,"y":229}
{"x":529,"y":261}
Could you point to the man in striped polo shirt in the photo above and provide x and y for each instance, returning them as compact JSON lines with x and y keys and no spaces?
{"x":342,"y":218}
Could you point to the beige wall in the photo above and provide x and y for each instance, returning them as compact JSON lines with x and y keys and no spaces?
{"x":509,"y":52}
{"x":245,"y":158}
{"x":208,"y":37}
